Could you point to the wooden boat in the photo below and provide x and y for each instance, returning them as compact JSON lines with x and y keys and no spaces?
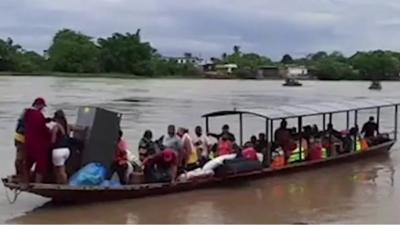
{"x":375,"y":85}
{"x":292,"y":83}
{"x":65,"y":193}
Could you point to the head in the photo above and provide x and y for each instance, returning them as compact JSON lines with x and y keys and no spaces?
{"x":330,"y":126}
{"x":171,"y":130}
{"x":225,"y":128}
{"x":181,"y":131}
{"x":148,"y":134}
{"x":261,"y":136}
{"x":39,"y":103}
{"x":371,"y":119}
{"x":59,"y":117}
{"x":283,"y":123}
{"x":253,"y":139}
{"x":198,"y":130}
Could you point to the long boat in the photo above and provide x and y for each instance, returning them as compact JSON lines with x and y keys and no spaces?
{"x":66,"y":193}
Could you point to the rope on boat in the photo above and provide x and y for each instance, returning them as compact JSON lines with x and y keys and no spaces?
{"x":14,"y":199}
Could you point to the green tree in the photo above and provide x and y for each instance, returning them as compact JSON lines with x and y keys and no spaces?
{"x":125,"y":53}
{"x":287,"y":59}
{"x":376,"y":65}
{"x":74,"y":52}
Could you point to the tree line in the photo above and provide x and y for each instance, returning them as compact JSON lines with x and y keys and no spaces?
{"x":74,"y":52}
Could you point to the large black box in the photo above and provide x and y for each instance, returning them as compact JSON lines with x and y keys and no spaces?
{"x":100,"y":138}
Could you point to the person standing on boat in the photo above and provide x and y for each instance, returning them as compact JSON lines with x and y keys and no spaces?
{"x":19,"y":143}
{"x":172,"y":141}
{"x":283,"y":138}
{"x":121,"y":162}
{"x":200,"y":141}
{"x":225,"y":132}
{"x":370,"y":128}
{"x":190,"y":159}
{"x":60,"y":134}
{"x":147,"y":146}
{"x":37,"y":141}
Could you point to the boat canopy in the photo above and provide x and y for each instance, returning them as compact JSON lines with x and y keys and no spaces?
{"x":310,"y":109}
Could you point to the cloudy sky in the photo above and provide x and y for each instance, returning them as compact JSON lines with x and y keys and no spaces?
{"x":210,"y":27}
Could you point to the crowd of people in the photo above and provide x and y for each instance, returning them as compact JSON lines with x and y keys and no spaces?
{"x":161,"y":160}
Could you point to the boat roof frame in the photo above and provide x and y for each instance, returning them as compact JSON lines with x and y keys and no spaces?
{"x":312,"y":112}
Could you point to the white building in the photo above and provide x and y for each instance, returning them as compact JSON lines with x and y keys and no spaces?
{"x":296,"y":72}
{"x":226,"y":68}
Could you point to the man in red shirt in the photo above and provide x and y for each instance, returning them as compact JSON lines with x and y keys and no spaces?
{"x":161,"y":166}
{"x":37,"y":141}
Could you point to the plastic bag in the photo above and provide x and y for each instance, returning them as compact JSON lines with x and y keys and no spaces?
{"x":92,"y":174}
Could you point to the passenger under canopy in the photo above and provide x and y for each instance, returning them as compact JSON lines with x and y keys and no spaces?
{"x":298,"y":111}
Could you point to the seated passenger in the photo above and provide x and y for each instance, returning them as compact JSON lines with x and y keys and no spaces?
{"x":161,"y":167}
{"x":147,"y":146}
{"x":252,"y":143}
{"x":261,"y":144}
{"x":225,"y":131}
{"x":370,"y":128}
{"x":317,"y":151}
{"x":250,"y":153}
{"x":225,"y":146}
{"x":331,"y":131}
{"x":121,"y":162}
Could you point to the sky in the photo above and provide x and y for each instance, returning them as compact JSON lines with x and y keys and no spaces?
{"x":210,"y":27}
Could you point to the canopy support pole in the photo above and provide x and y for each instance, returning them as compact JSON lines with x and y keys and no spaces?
{"x":378,"y":116}
{"x":267,"y":150}
{"x":207,"y":126}
{"x":356,"y":126}
{"x":300,"y":137}
{"x":241,"y":128}
{"x":348,"y":120}
{"x":272,"y":131}
{"x":323,"y":122}
{"x":396,"y":109}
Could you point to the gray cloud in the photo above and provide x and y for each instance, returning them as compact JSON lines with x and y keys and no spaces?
{"x":210,"y":27}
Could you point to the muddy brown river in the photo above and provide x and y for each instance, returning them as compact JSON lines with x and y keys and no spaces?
{"x":366,"y":191}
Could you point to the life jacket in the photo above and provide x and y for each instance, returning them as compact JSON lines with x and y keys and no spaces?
{"x":296,"y":155}
{"x":364,"y":145}
{"x":278,"y":159}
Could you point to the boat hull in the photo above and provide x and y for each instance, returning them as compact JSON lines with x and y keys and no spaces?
{"x":64,"y":193}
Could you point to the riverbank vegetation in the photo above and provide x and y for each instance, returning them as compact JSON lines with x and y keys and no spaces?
{"x":127,"y":55}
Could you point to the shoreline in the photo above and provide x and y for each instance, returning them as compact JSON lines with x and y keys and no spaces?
{"x":135,"y":77}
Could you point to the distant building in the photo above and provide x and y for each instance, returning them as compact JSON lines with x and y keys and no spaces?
{"x":269,"y":72}
{"x":226,"y":68}
{"x":296,"y":72}
{"x":197,"y":61}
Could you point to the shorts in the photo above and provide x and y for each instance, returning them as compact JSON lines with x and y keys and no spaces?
{"x":60,"y":156}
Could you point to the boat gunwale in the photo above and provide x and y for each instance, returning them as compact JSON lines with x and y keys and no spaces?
{"x":34,"y":187}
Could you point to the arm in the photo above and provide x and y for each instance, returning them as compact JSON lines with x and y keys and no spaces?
{"x":217,"y":136}
{"x":54,"y":134}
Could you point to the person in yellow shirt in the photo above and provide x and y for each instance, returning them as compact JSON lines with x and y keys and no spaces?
{"x":19,"y":143}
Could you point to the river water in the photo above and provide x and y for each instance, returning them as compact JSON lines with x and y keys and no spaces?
{"x":363,"y":192}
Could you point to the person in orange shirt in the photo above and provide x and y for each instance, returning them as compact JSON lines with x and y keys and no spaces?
{"x":121,"y":162}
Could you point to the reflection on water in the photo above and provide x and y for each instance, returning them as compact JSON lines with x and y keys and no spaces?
{"x":365,"y":191}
